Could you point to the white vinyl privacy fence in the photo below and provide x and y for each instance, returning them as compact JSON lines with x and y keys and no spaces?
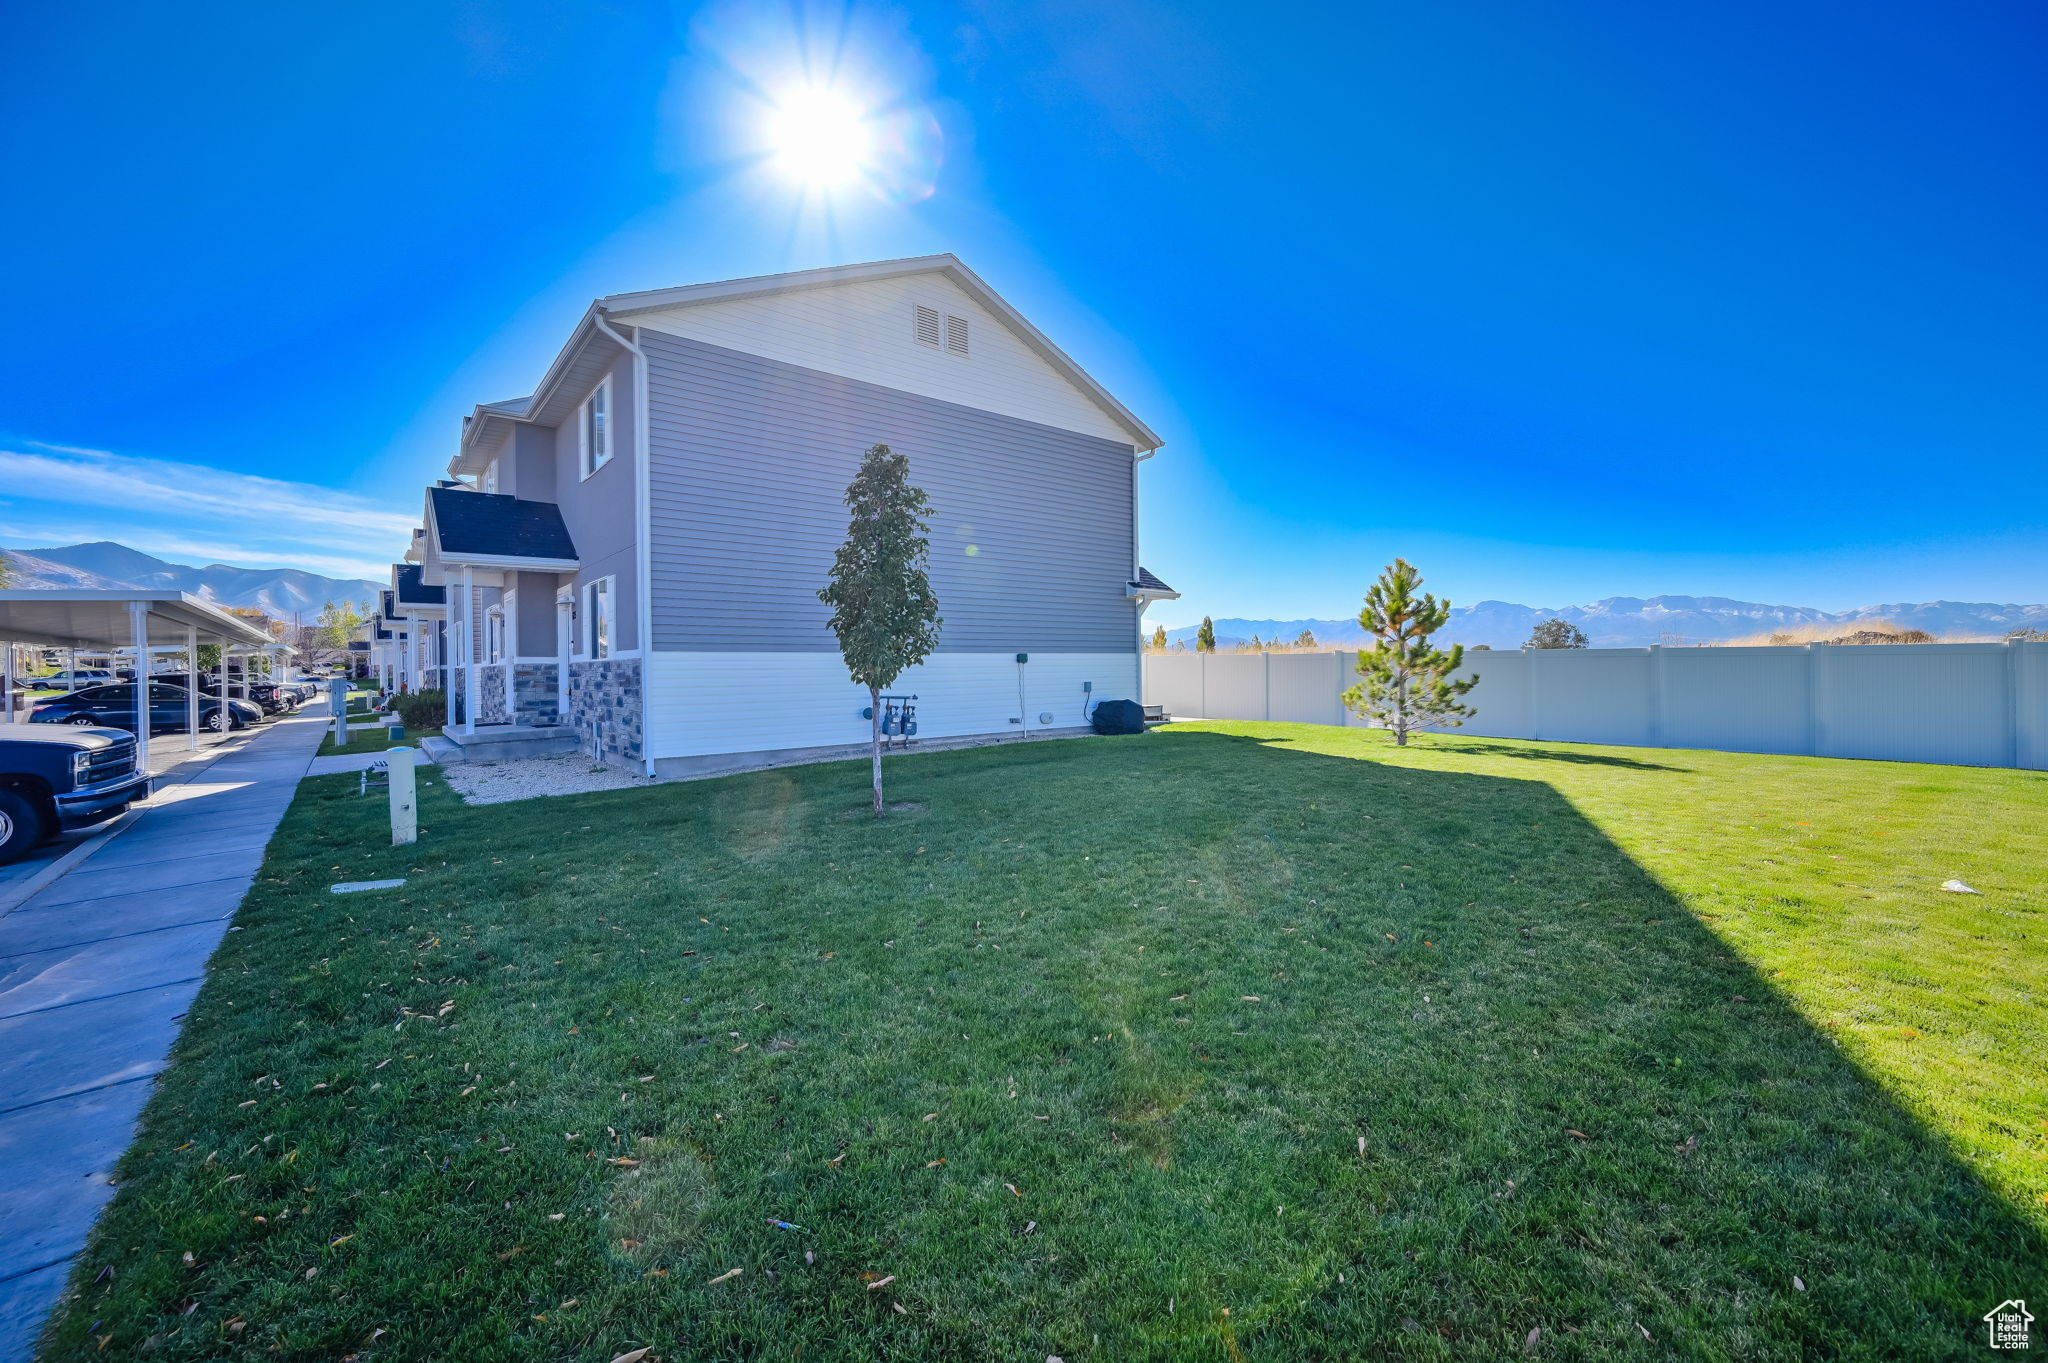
{"x":1983,"y":705}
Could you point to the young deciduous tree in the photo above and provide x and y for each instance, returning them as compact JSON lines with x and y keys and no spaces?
{"x":1205,"y":637}
{"x":1556,"y":633}
{"x":1407,"y":682}
{"x":339,"y":623}
{"x":883,"y":607}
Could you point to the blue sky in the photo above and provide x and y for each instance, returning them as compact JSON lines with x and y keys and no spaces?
{"x":1559,"y":301}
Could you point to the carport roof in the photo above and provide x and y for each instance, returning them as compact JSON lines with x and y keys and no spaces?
{"x":98,"y":618}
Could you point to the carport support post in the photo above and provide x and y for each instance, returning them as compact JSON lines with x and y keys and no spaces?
{"x":138,"y":617}
{"x":227,"y":716}
{"x":192,"y":690}
{"x":405,"y":818}
{"x":7,"y":682}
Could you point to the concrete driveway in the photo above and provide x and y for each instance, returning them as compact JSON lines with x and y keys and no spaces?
{"x":103,"y":944}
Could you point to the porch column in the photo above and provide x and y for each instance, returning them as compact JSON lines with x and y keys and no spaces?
{"x":565,"y":613}
{"x":138,"y":620}
{"x":511,"y":633}
{"x":192,"y":690}
{"x":469,"y":651}
{"x":444,"y":647}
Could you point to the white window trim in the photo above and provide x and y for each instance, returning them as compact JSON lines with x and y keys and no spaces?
{"x":583,"y":463}
{"x":489,"y":481}
{"x":586,"y":618}
{"x":494,"y":635}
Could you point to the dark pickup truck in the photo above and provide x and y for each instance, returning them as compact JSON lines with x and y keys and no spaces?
{"x":56,"y":779}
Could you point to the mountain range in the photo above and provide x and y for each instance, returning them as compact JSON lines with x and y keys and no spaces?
{"x":1632,"y":621}
{"x":281,"y":592}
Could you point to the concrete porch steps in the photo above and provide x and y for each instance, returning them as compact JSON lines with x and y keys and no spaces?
{"x":500,"y":743}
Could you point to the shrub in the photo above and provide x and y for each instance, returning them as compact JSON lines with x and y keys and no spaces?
{"x":421,"y":709}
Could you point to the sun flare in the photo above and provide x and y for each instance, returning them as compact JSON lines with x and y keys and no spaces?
{"x":819,"y":137}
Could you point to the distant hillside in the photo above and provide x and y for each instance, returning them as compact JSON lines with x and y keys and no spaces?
{"x":1631,"y":622}
{"x":281,"y":592}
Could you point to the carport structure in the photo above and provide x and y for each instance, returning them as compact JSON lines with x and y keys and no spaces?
{"x":119,"y":620}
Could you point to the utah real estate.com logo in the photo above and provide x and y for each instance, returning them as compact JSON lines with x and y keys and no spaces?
{"x":2007,"y":1323}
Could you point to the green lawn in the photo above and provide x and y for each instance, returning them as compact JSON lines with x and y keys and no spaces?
{"x":1077,"y":1059}
{"x":369,"y":740}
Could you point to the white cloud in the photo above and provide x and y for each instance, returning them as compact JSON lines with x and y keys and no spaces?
{"x":206,"y":514}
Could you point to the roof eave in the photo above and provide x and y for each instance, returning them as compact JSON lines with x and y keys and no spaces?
{"x":622,"y":305}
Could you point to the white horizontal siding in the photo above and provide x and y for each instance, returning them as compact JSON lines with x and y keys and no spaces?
{"x":700,"y":704}
{"x":866,"y":331}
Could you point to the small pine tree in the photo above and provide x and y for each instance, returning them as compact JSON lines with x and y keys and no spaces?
{"x":1407,"y":683}
{"x":1159,"y":639}
{"x":1306,"y":641}
{"x":883,"y":607}
{"x":1556,"y":632}
{"x":1205,"y":637}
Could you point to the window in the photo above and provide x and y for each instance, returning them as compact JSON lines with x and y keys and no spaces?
{"x":956,"y":334}
{"x":927,"y":325}
{"x":489,"y":482}
{"x":597,"y":619}
{"x":594,"y":429}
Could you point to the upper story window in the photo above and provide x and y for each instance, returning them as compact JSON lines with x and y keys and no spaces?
{"x":594,"y":428}
{"x":489,"y":482}
{"x":597,"y":619}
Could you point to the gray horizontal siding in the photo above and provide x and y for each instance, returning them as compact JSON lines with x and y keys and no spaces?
{"x":751,"y":457}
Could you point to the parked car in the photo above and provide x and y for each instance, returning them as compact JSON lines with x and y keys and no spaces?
{"x":74,"y":679}
{"x":113,"y":707}
{"x":208,"y":686}
{"x":54,"y":780}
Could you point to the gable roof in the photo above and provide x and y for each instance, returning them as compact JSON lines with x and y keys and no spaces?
{"x":625,"y":305}
{"x":592,"y":346}
{"x":469,"y":526}
{"x":411,"y":591}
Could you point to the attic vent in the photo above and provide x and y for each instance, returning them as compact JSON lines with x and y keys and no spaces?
{"x":956,"y":334}
{"x":927,"y":325}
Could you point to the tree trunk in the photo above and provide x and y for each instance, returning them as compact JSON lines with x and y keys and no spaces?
{"x":875,"y":710}
{"x":1401,"y":706}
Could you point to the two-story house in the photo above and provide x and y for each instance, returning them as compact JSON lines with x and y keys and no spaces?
{"x":629,"y":558}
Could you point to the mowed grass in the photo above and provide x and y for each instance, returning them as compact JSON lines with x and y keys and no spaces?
{"x":1232,"y":1041}
{"x":371,"y":740}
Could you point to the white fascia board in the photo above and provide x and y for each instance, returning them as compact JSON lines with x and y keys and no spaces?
{"x":475,"y":452}
{"x":623,"y":305}
{"x":512,"y":563}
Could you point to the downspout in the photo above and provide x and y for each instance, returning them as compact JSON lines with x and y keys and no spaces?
{"x":1137,"y":558}
{"x":643,"y":553}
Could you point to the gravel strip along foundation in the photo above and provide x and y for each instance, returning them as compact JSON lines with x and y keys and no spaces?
{"x":528,"y":778}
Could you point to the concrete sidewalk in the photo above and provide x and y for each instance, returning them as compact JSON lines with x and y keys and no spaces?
{"x":97,"y":968}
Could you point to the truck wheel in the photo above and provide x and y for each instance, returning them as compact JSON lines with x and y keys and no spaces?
{"x":21,"y":826}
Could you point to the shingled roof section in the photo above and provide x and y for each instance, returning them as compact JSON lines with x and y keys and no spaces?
{"x":498,"y":526}
{"x":413,"y":592}
{"x":1149,"y":583}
